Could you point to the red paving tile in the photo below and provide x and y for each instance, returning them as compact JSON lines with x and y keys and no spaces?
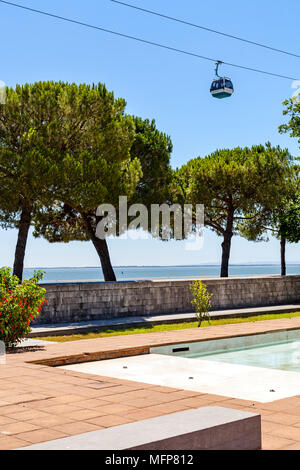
{"x":91,"y":403}
{"x":295,"y":446}
{"x":17,"y":428}
{"x":76,"y":428}
{"x":109,"y":420}
{"x":10,"y":443}
{"x":40,"y":403}
{"x":51,"y":420}
{"x":283,"y":418}
{"x":41,"y":435}
{"x":276,"y":443}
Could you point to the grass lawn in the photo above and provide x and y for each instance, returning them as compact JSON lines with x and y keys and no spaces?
{"x":169,"y":327}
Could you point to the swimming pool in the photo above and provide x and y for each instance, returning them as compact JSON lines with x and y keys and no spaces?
{"x":279,"y":350}
{"x":261,"y":368}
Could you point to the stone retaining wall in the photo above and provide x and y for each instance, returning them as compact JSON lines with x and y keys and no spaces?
{"x":69,"y":302}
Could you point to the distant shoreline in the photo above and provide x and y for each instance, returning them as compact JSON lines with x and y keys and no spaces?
{"x":140,"y":273}
{"x":294,"y":263}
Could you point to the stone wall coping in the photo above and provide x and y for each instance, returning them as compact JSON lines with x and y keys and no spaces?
{"x":134,"y":283}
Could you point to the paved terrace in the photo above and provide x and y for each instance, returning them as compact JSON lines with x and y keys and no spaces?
{"x":39,"y":403}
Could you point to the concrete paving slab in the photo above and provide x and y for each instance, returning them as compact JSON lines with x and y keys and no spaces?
{"x":211,"y":428}
{"x":238,"y":381}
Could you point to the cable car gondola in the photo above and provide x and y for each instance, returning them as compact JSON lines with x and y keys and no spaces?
{"x":222,"y":87}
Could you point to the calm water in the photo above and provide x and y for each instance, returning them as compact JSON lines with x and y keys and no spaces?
{"x":159,"y":272}
{"x":283,"y":356}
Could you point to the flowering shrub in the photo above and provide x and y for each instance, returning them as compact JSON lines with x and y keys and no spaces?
{"x":201,"y":301}
{"x":20,"y":304}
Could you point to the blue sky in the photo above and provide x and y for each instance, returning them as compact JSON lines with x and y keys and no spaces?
{"x":172,"y":88}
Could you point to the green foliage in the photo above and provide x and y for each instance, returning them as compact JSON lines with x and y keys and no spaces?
{"x":29,"y":124}
{"x":234,"y":182}
{"x":63,"y":141}
{"x":94,"y":166}
{"x":143,"y":177}
{"x":65,"y":148}
{"x":201,"y":301}
{"x":282,"y":220}
{"x":235,"y":186}
{"x":153,"y":149}
{"x":288,"y":220}
{"x":292,"y":109}
{"x":29,"y":152}
{"x":20,"y":304}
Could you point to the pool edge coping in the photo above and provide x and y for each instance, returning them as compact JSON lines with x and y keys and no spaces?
{"x":139,"y":350}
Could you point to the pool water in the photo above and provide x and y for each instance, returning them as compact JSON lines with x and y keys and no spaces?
{"x":275,"y":350}
{"x":283,"y":355}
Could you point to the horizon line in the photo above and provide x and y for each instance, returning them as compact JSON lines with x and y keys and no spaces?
{"x":167,"y":266}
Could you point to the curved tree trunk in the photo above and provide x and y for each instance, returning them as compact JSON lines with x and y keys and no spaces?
{"x":282,"y":252}
{"x":24,"y":227}
{"x":227,"y":236}
{"x":102,"y":250}
{"x":226,"y":245}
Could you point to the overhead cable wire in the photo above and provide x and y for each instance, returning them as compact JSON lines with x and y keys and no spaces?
{"x":145,"y":41}
{"x":178,"y":20}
